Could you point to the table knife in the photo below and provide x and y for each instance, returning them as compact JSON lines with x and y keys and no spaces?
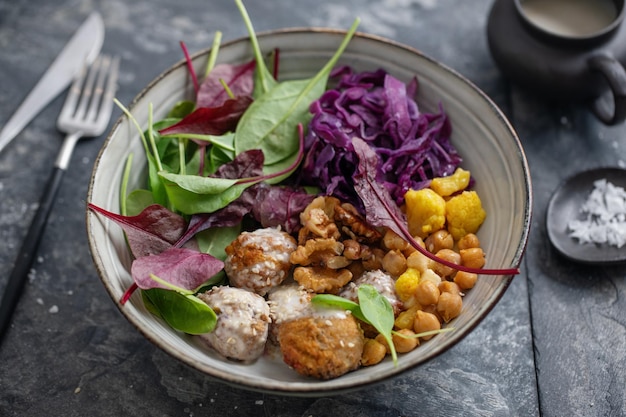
{"x":81,"y":49}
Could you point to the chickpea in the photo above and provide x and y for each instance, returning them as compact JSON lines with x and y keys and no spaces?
{"x":472,"y":257}
{"x":373,"y":352}
{"x":470,"y":240}
{"x":449,"y":286}
{"x":425,"y":322}
{"x":369,"y":331}
{"x":405,"y":344}
{"x":432,"y":309}
{"x":392,"y":240}
{"x":441,"y":239}
{"x":449,"y":305}
{"x":406,"y":318}
{"x":410,"y":249}
{"x":394,"y":262}
{"x":427,"y":293}
{"x":447,"y":255}
{"x":465,"y":280}
{"x":381,"y":339}
{"x":374,"y":259}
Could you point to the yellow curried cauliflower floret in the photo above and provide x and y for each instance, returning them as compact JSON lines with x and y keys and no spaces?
{"x":425,"y":211}
{"x":446,"y":186}
{"x":464,"y":213}
{"x":407,"y":283}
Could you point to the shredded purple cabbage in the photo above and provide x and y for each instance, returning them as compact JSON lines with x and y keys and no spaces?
{"x":413,"y":147}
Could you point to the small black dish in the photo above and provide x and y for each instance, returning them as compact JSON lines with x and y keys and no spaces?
{"x":565,"y":205}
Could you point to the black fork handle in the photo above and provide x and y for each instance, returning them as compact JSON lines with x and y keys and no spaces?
{"x":26,"y":255}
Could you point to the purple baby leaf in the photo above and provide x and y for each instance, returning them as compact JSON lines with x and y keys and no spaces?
{"x":211,"y":120}
{"x":380,"y":209}
{"x":245,"y":165}
{"x":151,"y":232}
{"x":280,"y":206}
{"x":183,"y":268}
{"x":238,"y":78}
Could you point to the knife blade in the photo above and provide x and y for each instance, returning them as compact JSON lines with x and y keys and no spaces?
{"x":81,"y":49}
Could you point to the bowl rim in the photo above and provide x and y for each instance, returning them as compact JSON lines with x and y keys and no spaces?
{"x":335,"y":386}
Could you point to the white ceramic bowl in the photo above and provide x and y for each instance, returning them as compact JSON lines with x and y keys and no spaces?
{"x":487,"y":142}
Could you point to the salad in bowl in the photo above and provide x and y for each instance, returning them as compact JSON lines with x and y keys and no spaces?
{"x":308,"y":219}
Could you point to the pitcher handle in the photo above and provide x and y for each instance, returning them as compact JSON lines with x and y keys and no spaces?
{"x":615,"y":75}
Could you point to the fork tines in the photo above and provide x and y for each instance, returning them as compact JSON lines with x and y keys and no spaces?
{"x":90,"y":99}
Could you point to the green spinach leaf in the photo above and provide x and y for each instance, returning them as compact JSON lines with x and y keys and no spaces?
{"x":334,"y":301}
{"x":270,"y":122}
{"x":191,"y":194}
{"x":214,"y":240}
{"x":184,"y":312}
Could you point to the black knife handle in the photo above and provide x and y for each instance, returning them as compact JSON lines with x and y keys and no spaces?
{"x":26,"y":255}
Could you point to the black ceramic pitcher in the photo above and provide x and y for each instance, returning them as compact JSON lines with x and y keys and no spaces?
{"x":561,"y":59}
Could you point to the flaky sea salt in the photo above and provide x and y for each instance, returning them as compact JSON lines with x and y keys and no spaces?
{"x":605,"y":216}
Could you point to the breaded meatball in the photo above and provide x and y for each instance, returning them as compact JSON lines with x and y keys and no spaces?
{"x":382,"y":281}
{"x":287,"y":302}
{"x":243,"y":319}
{"x":322,"y":346}
{"x":259,"y":260}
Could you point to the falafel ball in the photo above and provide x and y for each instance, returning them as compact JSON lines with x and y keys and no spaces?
{"x":322,"y":346}
{"x":259,"y":260}
{"x":243,"y":319}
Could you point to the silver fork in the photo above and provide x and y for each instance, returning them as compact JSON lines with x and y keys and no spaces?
{"x":86,"y":113}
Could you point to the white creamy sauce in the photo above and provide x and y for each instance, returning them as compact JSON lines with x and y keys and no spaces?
{"x":604,"y":216}
{"x":289,"y":302}
{"x":570,"y":17}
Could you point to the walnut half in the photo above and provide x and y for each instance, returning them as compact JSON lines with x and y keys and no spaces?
{"x":316,"y":252}
{"x":322,"y":280}
{"x":317,"y":220}
{"x":354,"y":225}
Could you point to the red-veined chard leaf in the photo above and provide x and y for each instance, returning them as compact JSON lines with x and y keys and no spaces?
{"x":189,"y":62}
